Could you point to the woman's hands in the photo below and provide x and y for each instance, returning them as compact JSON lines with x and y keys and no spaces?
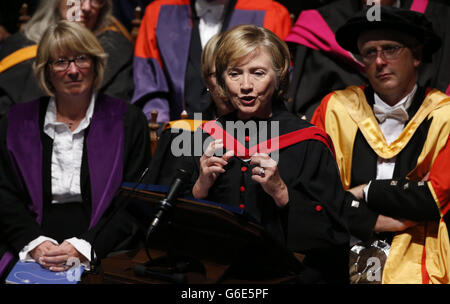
{"x":56,"y":257}
{"x":266,"y":174}
{"x":210,"y":168}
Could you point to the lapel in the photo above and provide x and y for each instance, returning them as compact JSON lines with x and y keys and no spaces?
{"x":105,"y":149}
{"x":26,"y":151}
{"x":174,"y":39}
{"x":216,"y":131}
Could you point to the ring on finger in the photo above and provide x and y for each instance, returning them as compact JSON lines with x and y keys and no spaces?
{"x":261,"y":171}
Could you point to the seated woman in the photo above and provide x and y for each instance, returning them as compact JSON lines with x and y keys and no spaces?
{"x":276,"y":167}
{"x":63,"y":157}
{"x":18,"y":52}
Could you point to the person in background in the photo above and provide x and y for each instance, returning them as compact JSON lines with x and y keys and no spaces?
{"x":125,"y":11}
{"x":165,"y":164}
{"x":281,"y":172}
{"x":388,"y":136}
{"x":17,"y":82}
{"x":10,"y":16}
{"x":167,"y":71}
{"x":321,"y":65}
{"x":64,"y":156}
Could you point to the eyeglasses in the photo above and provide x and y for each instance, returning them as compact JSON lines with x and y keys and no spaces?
{"x":387,"y":52}
{"x":81,"y":61}
{"x":95,"y":3}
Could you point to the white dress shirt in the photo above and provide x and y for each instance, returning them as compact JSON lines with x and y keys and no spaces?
{"x":211,"y":18}
{"x":66,"y":170}
{"x":391,"y":128}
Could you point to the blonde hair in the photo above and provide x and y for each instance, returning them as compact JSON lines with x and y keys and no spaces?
{"x":66,"y":36}
{"x":241,"y":41}
{"x":47,"y":14}
{"x":208,"y":58}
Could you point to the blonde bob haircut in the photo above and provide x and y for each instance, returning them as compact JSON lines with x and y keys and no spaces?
{"x":242,"y":40}
{"x":208,"y":58}
{"x":67,"y":37}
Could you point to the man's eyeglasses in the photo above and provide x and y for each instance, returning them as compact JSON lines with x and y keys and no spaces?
{"x":81,"y":61}
{"x":387,"y":52}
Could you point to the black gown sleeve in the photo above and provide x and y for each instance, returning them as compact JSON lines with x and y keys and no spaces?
{"x":403,"y":199}
{"x":18,"y":224}
{"x":316,"y":199}
{"x":316,"y":224}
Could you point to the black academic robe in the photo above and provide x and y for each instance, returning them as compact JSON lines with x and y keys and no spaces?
{"x":318,"y":72}
{"x":22,"y":219}
{"x":311,"y":223}
{"x":18,"y":83}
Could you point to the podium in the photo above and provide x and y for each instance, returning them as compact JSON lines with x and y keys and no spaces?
{"x":204,"y":241}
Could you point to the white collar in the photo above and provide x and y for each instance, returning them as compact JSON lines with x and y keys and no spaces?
{"x":213,"y":9}
{"x":50,"y":122}
{"x":405,"y":103}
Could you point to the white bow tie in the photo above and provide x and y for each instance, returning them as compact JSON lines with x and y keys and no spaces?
{"x":398,"y":113}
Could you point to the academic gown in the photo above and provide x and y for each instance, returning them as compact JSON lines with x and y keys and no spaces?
{"x":348,"y":118}
{"x":116,"y":148}
{"x":312,"y":222}
{"x":321,"y":65}
{"x":18,"y":83}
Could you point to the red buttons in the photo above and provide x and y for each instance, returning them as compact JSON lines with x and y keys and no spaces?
{"x":244,"y":169}
{"x":242,"y":188}
{"x":319,"y":208}
{"x":247,"y":138}
{"x":241,"y":206}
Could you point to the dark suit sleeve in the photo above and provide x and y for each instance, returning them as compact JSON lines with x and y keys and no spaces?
{"x":18,"y":224}
{"x":117,"y":230}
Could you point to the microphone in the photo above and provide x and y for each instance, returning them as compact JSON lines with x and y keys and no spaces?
{"x":166,"y":204}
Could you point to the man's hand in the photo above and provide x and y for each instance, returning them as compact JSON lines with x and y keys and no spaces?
{"x":386,"y":223}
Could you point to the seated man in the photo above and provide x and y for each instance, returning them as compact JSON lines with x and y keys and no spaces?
{"x":321,"y":65}
{"x":388,"y":137}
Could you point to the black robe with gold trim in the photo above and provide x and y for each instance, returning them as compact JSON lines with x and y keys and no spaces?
{"x":419,"y":254}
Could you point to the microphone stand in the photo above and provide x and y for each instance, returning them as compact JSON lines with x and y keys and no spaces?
{"x":166,"y":268}
{"x":94,"y":263}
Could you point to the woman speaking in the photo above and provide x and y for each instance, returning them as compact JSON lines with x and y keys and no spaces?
{"x":276,"y":167}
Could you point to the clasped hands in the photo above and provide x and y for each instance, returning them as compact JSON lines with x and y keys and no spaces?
{"x":212,"y":166}
{"x":56,"y":257}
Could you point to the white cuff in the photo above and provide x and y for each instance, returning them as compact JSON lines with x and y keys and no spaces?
{"x":82,"y":247}
{"x":24,"y":255}
{"x":366,"y":192}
